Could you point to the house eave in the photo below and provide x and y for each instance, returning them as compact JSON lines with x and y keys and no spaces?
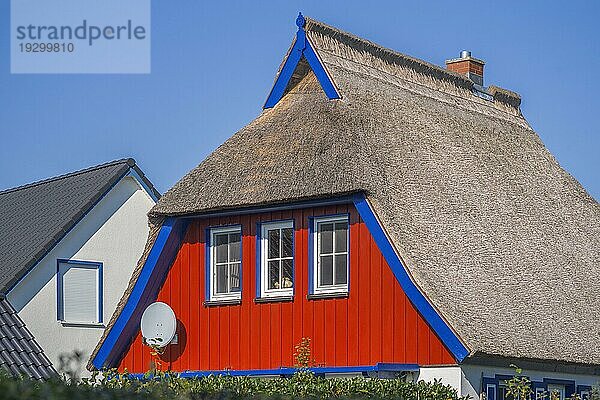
{"x":536,"y":364}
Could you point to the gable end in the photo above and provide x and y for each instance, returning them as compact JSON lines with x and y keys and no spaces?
{"x":300,"y":58}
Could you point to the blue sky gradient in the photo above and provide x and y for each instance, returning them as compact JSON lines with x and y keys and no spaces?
{"x":213,"y":64}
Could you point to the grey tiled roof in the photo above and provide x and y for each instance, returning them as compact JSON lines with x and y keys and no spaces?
{"x":34,"y":217}
{"x":19,"y":352}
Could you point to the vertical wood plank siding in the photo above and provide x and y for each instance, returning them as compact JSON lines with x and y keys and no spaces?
{"x":376,"y":323}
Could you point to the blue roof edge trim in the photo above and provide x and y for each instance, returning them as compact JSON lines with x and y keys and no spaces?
{"x":414,"y":294}
{"x":286,"y":371}
{"x":160,"y":258}
{"x":302,"y":48}
{"x":149,"y":190}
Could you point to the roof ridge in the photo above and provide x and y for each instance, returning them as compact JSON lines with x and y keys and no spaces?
{"x":521,"y":122}
{"x":323,"y":27}
{"x":129,"y":161}
{"x":391,"y":56}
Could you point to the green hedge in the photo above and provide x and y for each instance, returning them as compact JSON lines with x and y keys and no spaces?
{"x":303,"y":385}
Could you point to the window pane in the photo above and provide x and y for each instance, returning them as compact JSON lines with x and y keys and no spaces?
{"x":235,"y":277}
{"x":502,"y":393}
{"x":326,"y":236}
{"x":273,"y":238}
{"x":287,"y":235}
{"x":221,"y":278}
{"x":234,"y":247}
{"x":221,"y":248}
{"x":79,"y":294}
{"x":341,"y":236}
{"x":273,"y":274}
{"x":341,"y":270}
{"x":287,"y":274}
{"x":326,"y":270}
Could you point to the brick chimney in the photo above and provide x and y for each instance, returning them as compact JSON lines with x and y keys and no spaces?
{"x":471,"y":67}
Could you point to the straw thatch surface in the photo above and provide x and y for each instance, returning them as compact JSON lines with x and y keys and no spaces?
{"x":504,"y":242}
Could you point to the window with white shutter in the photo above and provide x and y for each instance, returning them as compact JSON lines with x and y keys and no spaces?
{"x":79,"y":291}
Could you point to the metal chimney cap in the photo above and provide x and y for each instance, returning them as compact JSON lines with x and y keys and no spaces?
{"x":465,"y":54}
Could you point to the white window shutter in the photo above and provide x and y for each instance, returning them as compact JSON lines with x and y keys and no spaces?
{"x":80,"y":294}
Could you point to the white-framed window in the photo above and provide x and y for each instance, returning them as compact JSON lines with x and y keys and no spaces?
{"x":490,"y":392}
{"x":277,"y":259}
{"x":501,"y":391}
{"x":556,"y":391}
{"x":79,"y":292}
{"x":225,"y":263}
{"x":330,"y":241}
{"x":540,"y":394}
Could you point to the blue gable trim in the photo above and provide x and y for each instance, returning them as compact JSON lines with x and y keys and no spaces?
{"x":287,"y":371}
{"x":447,"y":336}
{"x":302,"y":48}
{"x":152,"y":193}
{"x":156,"y":266}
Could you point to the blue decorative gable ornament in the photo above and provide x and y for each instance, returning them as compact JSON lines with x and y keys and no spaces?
{"x":302,"y":48}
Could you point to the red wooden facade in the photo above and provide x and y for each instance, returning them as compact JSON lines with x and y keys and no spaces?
{"x":375,"y":323}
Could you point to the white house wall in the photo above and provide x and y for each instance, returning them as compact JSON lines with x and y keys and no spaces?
{"x":450,"y":375}
{"x":114,"y":232}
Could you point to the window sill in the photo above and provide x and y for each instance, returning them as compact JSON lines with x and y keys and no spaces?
{"x":273,"y":299}
{"x":325,"y":295}
{"x":82,"y":324}
{"x":222,"y":302}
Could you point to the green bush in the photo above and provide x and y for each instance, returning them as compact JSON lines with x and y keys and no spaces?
{"x":302,"y":385}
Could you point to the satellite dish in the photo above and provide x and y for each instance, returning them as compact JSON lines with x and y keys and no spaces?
{"x":158,"y":324}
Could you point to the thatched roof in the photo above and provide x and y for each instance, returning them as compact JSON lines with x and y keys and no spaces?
{"x":503,"y":241}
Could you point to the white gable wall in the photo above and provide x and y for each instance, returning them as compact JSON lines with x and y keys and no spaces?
{"x":114,"y":233}
{"x":450,"y":375}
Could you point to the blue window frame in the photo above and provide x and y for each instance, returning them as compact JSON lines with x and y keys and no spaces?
{"x":495,"y":388}
{"x":224,"y":264}
{"x":275,"y":261}
{"x":79,"y":291}
{"x":490,"y":392}
{"x":329,"y":255}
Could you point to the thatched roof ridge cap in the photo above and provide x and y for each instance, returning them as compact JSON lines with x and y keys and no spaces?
{"x":515,"y":117}
{"x":505,"y":96}
{"x":387,"y":54}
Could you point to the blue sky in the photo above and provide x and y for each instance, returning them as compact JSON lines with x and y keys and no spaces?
{"x":213,"y":64}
